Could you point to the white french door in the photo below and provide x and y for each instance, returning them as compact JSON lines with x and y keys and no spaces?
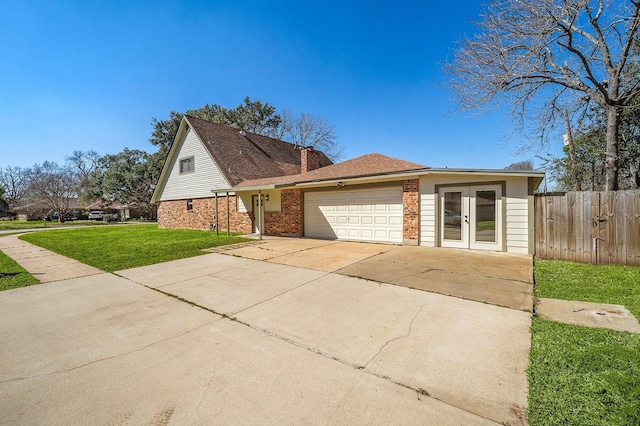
{"x":471,"y":217}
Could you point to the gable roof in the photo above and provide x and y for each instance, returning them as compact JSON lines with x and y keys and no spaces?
{"x":366,"y":165}
{"x":245,"y":156}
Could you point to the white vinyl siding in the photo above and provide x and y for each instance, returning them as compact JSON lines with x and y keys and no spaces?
{"x":428,"y":232}
{"x":518,"y":210}
{"x":272,"y":204}
{"x":205,"y":177}
{"x":517,"y":216}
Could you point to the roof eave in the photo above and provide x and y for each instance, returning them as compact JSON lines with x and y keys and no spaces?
{"x":497,"y":172}
{"x":386,"y":177}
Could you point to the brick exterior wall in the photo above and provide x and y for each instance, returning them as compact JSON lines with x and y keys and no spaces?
{"x":288,"y":221}
{"x":411,"y":212}
{"x":174,"y":214}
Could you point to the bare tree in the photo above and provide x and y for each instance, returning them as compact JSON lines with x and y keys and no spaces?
{"x":520,"y":165}
{"x":84,"y":163}
{"x":542,"y":57}
{"x":15,"y":181}
{"x":54,"y":186}
{"x":307,"y":130}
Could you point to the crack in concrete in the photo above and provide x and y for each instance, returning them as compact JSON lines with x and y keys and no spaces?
{"x":206,"y":391}
{"x":419,"y":390}
{"x":408,"y":333}
{"x":77,"y":367}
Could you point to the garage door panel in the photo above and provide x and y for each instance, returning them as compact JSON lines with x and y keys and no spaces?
{"x":393,"y":220}
{"x":395,"y":235}
{"x":367,"y":215}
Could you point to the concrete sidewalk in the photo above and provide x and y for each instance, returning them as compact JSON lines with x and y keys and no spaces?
{"x":43,"y":264}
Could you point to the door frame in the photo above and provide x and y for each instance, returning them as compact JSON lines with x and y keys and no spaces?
{"x":258,"y":214}
{"x":468,"y":215}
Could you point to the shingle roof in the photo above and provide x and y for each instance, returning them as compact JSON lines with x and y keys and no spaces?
{"x":249,"y":156}
{"x":367,"y":165}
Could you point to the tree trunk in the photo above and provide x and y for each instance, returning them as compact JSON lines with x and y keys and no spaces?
{"x":572,"y":154}
{"x":611,"y":156}
{"x":634,"y":169}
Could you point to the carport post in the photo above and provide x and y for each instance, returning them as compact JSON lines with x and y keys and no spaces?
{"x":260,"y":214}
{"x":217,"y":221}
{"x":228,"y":230}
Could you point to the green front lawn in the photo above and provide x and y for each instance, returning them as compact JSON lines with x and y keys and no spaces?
{"x":113,"y":248}
{"x":13,"y":275}
{"x":581,"y":375}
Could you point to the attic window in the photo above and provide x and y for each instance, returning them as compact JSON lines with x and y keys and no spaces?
{"x":187,"y":165}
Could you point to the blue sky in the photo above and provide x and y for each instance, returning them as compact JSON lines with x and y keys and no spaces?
{"x":80,"y":75}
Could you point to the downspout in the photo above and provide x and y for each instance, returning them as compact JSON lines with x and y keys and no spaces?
{"x":228,"y":219}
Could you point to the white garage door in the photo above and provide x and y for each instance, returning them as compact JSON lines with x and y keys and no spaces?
{"x":363,"y":215}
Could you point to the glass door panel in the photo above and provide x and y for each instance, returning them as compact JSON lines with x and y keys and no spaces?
{"x":485,"y":216}
{"x":452,"y":216}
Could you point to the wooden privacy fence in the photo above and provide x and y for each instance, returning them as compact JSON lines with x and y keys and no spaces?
{"x":590,"y":227}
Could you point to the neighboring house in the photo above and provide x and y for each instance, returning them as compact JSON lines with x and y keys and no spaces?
{"x":216,"y":175}
{"x":126,"y":211}
{"x":37,"y":210}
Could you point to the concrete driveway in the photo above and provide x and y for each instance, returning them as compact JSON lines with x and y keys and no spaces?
{"x":257,"y":342}
{"x":498,"y":278}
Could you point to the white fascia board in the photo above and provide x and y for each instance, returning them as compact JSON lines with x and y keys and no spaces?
{"x":413,"y":174}
{"x":495,"y":172}
{"x":242,"y":189}
{"x":361,"y":180}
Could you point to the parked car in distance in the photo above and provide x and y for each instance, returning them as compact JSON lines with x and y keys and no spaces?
{"x":451,"y":218}
{"x":53,"y":217}
{"x":96,"y":215}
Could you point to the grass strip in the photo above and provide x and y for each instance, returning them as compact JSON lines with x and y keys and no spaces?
{"x":113,"y":248}
{"x":614,"y":284}
{"x":40,"y":224}
{"x":583,"y":376}
{"x":13,"y":275}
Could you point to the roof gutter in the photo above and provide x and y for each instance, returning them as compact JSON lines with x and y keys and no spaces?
{"x":386,"y":177}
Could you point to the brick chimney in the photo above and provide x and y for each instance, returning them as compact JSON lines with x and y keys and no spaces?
{"x":310,"y":160}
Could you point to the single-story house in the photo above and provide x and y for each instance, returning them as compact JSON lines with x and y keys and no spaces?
{"x":125,"y":211}
{"x":37,"y":210}
{"x":217,"y":176}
